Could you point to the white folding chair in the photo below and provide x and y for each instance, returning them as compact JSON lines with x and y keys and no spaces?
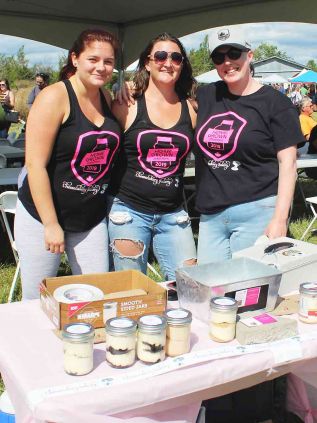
{"x":8,"y":201}
{"x":312,"y":201}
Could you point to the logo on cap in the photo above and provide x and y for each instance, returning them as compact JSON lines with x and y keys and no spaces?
{"x":223,"y":34}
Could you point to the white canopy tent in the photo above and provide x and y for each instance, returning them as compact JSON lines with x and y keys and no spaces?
{"x":274,"y":79}
{"x":208,"y":77}
{"x":137,"y":21}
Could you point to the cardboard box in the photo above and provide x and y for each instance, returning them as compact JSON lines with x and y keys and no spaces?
{"x":92,"y":312}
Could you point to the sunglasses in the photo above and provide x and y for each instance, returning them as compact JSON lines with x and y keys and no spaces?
{"x":233,"y":54}
{"x":161,"y":57}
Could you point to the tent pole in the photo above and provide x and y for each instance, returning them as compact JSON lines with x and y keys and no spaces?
{"x":120,"y":61}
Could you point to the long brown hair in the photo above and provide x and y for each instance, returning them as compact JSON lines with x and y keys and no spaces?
{"x":86,"y":37}
{"x":185,"y":85}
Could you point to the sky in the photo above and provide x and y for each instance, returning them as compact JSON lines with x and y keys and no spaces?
{"x":297,"y":40}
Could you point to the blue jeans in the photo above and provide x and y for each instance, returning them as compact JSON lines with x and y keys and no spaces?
{"x":170,"y":233}
{"x":233,"y":229}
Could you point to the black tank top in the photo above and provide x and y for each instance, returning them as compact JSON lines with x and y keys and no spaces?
{"x":79,"y":168}
{"x":149,"y":174}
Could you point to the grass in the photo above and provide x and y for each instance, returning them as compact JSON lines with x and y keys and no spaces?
{"x":299,"y":221}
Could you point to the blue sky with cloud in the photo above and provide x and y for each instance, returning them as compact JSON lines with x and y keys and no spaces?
{"x":298,"y":40}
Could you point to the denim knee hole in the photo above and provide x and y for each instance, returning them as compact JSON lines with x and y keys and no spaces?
{"x":117,"y":251}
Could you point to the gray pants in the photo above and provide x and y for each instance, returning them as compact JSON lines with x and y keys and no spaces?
{"x":87,"y":252}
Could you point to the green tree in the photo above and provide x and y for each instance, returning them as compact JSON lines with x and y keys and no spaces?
{"x":15,"y":67}
{"x":311,"y":64}
{"x":266,"y":50}
{"x":200,"y":58}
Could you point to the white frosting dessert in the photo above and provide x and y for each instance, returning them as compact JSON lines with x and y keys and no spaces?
{"x":308,"y":302}
{"x":120,"y":342}
{"x":151,"y":347}
{"x":78,"y":341}
{"x":78,"y":358}
{"x":222,"y":332}
{"x":178,"y":331}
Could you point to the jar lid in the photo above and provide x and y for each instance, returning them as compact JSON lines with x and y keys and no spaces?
{"x":78,"y":331}
{"x":120,"y":326}
{"x":309,"y":288}
{"x":178,"y":316}
{"x":152,"y":323}
{"x":224,"y":303}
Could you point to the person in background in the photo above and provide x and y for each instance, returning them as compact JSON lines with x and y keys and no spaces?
{"x":7,"y":101}
{"x":41,"y":81}
{"x":307,"y":123}
{"x":303,"y":90}
{"x":246,"y":139}
{"x":72,"y":139}
{"x":148,"y":186}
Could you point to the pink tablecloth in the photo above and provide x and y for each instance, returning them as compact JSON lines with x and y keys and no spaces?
{"x":31,"y":359}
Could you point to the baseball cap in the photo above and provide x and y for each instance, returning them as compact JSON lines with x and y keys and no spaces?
{"x":228,"y":36}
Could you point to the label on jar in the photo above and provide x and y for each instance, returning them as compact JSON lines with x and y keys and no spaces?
{"x":224,"y":301}
{"x":311,"y":286}
{"x":261,"y":319}
{"x":121,"y":323}
{"x":249,"y":296}
{"x":177,"y":314}
{"x":78,"y":329}
{"x":151,"y":320}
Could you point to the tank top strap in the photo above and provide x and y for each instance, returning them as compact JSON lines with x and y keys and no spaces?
{"x":142,"y":113}
{"x":105,"y":107}
{"x":73,"y":102}
{"x":185,"y":115}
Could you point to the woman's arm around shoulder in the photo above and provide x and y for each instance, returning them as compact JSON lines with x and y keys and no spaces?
{"x":124,"y":113}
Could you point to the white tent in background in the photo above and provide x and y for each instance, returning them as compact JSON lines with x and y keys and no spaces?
{"x":274,"y":78}
{"x":208,"y":77}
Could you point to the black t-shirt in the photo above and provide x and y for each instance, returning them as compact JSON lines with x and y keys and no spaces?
{"x":149,"y":174}
{"x":79,"y":168}
{"x":237,"y":140}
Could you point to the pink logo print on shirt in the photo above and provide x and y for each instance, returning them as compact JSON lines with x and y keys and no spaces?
{"x":219,"y":135}
{"x":160,"y":152}
{"x":90,"y":166}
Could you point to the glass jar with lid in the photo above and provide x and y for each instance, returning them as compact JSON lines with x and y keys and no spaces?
{"x":120,"y":342}
{"x":151,"y":338}
{"x":222,"y":319}
{"x":78,"y":342}
{"x":308,"y":302}
{"x":177,"y":331}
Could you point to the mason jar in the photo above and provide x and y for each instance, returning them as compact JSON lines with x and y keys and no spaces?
{"x":177,"y":331}
{"x":222,"y":319}
{"x":120,"y":342}
{"x":308,"y":302}
{"x":78,"y":342}
{"x":151,"y":338}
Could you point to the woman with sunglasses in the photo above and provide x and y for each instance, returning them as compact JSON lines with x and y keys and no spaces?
{"x":7,"y":101}
{"x":72,"y":139}
{"x":246,"y":140}
{"x":148,"y":183}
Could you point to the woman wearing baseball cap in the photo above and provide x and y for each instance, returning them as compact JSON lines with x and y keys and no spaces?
{"x":246,"y":138}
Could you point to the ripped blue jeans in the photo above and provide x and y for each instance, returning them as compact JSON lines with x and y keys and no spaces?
{"x":170,"y":234}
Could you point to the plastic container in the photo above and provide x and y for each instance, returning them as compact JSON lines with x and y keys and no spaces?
{"x":151,"y":338}
{"x":120,"y":342}
{"x":177,"y":331}
{"x":78,"y":340}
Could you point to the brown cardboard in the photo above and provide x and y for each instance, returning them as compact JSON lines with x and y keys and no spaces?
{"x":92,"y":312}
